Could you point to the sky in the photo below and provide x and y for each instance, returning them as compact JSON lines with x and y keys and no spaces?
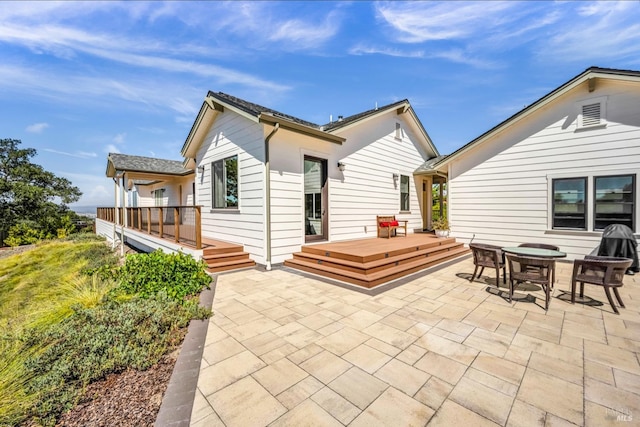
{"x":81,"y":79}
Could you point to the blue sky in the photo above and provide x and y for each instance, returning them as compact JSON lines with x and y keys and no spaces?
{"x":81,"y":79}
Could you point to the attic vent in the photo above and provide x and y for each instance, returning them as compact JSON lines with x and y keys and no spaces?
{"x":591,"y":114}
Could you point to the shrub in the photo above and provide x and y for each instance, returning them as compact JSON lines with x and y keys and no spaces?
{"x":24,"y":233}
{"x":96,"y":342}
{"x":177,"y":275}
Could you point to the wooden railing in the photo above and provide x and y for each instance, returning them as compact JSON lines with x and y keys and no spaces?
{"x":177,"y":223}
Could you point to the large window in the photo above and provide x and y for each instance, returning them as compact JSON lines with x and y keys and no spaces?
{"x":569,"y":202}
{"x":614,"y":201}
{"x":404,"y":193}
{"x":592,"y":203}
{"x":225,"y":183}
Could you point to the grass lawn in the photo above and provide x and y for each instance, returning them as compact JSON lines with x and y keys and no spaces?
{"x":62,"y":328}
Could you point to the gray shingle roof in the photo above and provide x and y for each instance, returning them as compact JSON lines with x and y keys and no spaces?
{"x":125,"y":162}
{"x":354,"y":118}
{"x":256,"y":110}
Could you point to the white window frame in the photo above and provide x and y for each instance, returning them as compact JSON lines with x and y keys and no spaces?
{"x":224,"y":169}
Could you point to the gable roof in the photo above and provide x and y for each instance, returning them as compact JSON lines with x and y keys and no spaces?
{"x":590,"y":75}
{"x":217,"y":102}
{"x":117,"y":162}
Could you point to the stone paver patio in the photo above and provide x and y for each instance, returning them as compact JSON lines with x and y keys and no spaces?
{"x":288,"y":349}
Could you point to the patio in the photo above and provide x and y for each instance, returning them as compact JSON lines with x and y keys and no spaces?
{"x":284,"y":348}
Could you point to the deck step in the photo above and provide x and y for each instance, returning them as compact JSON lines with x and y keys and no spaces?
{"x":230,"y":265}
{"x":223,"y":256}
{"x":381,"y":268}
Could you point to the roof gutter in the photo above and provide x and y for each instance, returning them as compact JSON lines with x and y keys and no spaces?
{"x":267,"y":172}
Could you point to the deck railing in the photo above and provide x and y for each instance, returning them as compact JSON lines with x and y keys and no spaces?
{"x":181,"y":224}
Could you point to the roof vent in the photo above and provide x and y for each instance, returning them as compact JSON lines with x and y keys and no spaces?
{"x":591,"y":114}
{"x":340,"y":118}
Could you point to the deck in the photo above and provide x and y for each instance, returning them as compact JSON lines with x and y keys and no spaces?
{"x":375,"y":261}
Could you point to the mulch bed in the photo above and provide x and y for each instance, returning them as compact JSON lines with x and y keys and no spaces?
{"x":128,"y":399}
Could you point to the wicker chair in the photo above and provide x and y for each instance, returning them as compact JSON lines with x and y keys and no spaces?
{"x":491,"y":256}
{"x":533,"y":270}
{"x":607,"y":272}
{"x":543,"y":246}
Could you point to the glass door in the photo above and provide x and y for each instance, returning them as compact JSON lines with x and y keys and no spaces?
{"x":315,"y":199}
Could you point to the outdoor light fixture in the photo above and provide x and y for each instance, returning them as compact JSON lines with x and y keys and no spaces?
{"x":395,"y":176}
{"x":341,"y":166}
{"x":201,"y":169}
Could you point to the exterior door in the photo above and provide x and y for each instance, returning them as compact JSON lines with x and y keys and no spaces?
{"x":316,"y":194}
{"x":438,"y":198}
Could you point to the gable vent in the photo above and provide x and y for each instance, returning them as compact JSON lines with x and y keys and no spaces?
{"x":591,"y":114}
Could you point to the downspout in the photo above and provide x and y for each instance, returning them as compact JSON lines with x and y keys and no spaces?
{"x":124,"y":214}
{"x":267,"y":169}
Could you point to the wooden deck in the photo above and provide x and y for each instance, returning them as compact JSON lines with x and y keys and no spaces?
{"x":223,"y":256}
{"x":372,"y":262}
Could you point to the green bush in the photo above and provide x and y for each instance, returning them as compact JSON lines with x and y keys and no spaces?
{"x":24,"y":233}
{"x":96,"y":342}
{"x":177,"y":275}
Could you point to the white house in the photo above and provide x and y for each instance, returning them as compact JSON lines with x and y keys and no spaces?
{"x":272,"y":182}
{"x":557,"y":172}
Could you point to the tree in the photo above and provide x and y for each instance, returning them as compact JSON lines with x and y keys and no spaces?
{"x":30,"y":193}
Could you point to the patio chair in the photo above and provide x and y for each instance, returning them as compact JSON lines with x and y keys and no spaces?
{"x":543,"y":246}
{"x":534,"y":270}
{"x":485,"y":255}
{"x":607,"y":272}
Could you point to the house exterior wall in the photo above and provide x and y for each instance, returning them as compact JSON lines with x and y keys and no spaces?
{"x":366,"y":188}
{"x":171,"y":194}
{"x":233,"y":134}
{"x":500,"y":191}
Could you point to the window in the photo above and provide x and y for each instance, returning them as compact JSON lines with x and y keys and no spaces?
{"x":225,"y":183}
{"x":404,"y":193}
{"x":592,"y":203}
{"x":614,"y":201}
{"x":569,"y":203}
{"x":158,"y":196}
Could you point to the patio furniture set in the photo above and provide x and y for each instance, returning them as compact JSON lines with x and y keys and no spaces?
{"x":535,"y":263}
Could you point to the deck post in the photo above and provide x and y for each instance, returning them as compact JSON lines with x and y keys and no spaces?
{"x":148,"y":220}
{"x":139,"y":218}
{"x":176,"y":223}
{"x":160,"y":221}
{"x":198,"y":227}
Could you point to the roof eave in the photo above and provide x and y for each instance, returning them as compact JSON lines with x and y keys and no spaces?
{"x":270,"y":119}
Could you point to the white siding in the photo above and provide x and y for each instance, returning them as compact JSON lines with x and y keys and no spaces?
{"x":232,"y":134}
{"x":500,"y":190}
{"x":365,"y":189}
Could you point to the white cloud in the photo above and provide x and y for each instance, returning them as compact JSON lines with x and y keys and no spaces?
{"x":78,"y":154}
{"x":417,"y":22}
{"x":606,"y":31}
{"x":110,"y":148}
{"x":362,"y":49}
{"x":37,"y":127}
{"x":119,"y":138}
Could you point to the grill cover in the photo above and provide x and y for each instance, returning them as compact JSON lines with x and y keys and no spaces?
{"x":618,"y":241}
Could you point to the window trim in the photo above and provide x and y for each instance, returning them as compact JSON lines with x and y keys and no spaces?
{"x":634,"y":203}
{"x":408,"y":193}
{"x":224,"y":177}
{"x":585,"y":203}
{"x":590,"y":205}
